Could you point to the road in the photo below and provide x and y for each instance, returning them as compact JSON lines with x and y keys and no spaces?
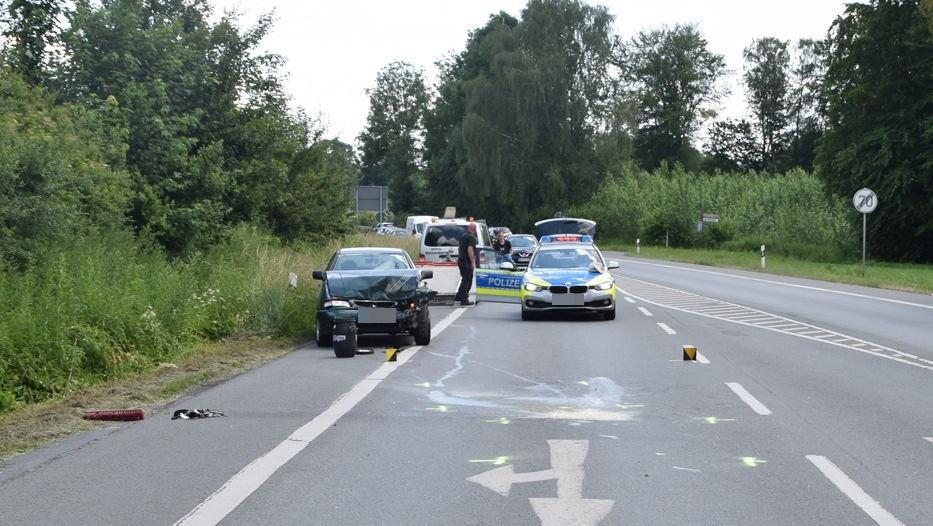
{"x":809,"y":403}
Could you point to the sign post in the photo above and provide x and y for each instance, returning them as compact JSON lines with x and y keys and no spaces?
{"x":865,"y":201}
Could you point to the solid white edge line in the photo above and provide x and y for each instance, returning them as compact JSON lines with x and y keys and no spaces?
{"x":746,"y":397}
{"x":852,"y":490}
{"x":240,"y":486}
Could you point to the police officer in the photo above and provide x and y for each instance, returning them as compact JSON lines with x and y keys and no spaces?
{"x":466,"y":262}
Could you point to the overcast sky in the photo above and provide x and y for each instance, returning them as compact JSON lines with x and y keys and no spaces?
{"x":336,"y":48}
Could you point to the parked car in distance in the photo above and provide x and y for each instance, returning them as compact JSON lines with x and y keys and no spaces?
{"x":394,"y":231}
{"x":381,"y":227}
{"x":523,"y":247}
{"x":415,"y":224}
{"x":377,"y":288}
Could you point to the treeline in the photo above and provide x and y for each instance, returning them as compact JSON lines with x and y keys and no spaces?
{"x":147,"y":115}
{"x":539,"y":113}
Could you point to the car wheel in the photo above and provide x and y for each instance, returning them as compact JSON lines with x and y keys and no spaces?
{"x":610,"y":314}
{"x":323,"y":337}
{"x":423,"y":332}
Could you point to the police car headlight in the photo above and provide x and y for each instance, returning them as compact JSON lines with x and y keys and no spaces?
{"x":531,"y":287}
{"x":606,"y":285}
{"x":337,"y":304}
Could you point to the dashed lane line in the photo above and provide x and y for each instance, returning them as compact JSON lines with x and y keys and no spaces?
{"x":721,"y":310}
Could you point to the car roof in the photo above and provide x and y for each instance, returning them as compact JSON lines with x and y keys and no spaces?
{"x":371,"y":250}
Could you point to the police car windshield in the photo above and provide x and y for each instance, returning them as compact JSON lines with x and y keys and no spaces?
{"x":570,"y":258}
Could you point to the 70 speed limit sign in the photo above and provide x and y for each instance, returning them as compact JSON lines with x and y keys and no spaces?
{"x":865,"y":201}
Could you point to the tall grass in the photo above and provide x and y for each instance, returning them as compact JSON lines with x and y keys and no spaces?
{"x":106,"y":306}
{"x":790,"y":212}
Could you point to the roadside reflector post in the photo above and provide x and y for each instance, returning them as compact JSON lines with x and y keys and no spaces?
{"x":638,"y":246}
{"x":690,"y":353}
{"x":391,"y":354}
{"x":762,"y":257}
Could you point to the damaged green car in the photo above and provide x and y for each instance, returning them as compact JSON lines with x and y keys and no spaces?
{"x":378,"y":289}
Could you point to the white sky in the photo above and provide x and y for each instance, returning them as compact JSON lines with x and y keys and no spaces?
{"x":336,"y":48}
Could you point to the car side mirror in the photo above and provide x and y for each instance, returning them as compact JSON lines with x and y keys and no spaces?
{"x":426,"y":273}
{"x":506,"y":265}
{"x":612,"y":264}
{"x":318,"y":274}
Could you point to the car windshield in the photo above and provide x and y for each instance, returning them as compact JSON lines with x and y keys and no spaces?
{"x":521,"y":241}
{"x":570,"y":258}
{"x":370,"y":262}
{"x":444,"y":235}
{"x":394,"y":285}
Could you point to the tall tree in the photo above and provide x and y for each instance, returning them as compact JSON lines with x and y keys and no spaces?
{"x":767,"y":81}
{"x":31,"y":33}
{"x":210,"y":135}
{"x":393,"y":142}
{"x":677,"y":81}
{"x":880,"y":131}
{"x":526,"y":100}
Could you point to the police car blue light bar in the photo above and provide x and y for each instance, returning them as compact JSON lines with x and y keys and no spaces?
{"x":558,"y":238}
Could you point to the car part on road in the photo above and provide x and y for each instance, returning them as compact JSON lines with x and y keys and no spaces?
{"x":117,"y":415}
{"x":345,"y":339}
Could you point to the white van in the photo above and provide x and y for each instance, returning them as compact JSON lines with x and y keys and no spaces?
{"x":441,"y":238}
{"x":414,"y":225}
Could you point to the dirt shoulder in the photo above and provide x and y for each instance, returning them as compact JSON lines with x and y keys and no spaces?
{"x":43,"y":424}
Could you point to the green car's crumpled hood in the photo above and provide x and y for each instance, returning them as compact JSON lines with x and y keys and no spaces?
{"x":390,"y":285}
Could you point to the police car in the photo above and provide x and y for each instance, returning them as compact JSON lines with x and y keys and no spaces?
{"x":566,"y":274}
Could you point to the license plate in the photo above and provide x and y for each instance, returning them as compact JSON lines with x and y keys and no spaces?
{"x":376,"y":315}
{"x":567,"y":300}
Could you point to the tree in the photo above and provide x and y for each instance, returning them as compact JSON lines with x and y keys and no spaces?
{"x":55,"y":182}
{"x":392,"y":143}
{"x":31,"y":32}
{"x":879,"y":133}
{"x":523,"y":106}
{"x":676,"y":80}
{"x":732,"y":147}
{"x":209,"y":134}
{"x":767,"y":82}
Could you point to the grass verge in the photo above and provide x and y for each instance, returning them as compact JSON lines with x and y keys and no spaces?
{"x":41,"y":424}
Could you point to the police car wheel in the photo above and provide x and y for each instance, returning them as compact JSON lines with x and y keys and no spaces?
{"x":610,"y":314}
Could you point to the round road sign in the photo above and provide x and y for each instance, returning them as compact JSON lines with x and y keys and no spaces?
{"x":865,"y":201}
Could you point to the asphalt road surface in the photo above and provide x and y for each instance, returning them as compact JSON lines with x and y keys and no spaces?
{"x":807,"y":403}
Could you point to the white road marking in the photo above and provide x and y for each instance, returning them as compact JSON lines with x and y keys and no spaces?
{"x":256,"y":473}
{"x":567,"y":457}
{"x":807,"y":287}
{"x":645,"y":311}
{"x":746,"y":397}
{"x":701,"y":358}
{"x":854,"y":492}
{"x":666,"y":328}
{"x":928,"y":438}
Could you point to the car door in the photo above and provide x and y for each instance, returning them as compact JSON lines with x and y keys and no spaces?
{"x":496,"y":277}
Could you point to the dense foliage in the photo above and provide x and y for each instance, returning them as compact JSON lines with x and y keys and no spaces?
{"x":789,"y":213}
{"x":880,"y":132}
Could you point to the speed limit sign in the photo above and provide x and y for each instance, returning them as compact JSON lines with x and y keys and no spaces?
{"x":865,"y":201}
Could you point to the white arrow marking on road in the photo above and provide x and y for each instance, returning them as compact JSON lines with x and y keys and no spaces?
{"x":569,"y":508}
